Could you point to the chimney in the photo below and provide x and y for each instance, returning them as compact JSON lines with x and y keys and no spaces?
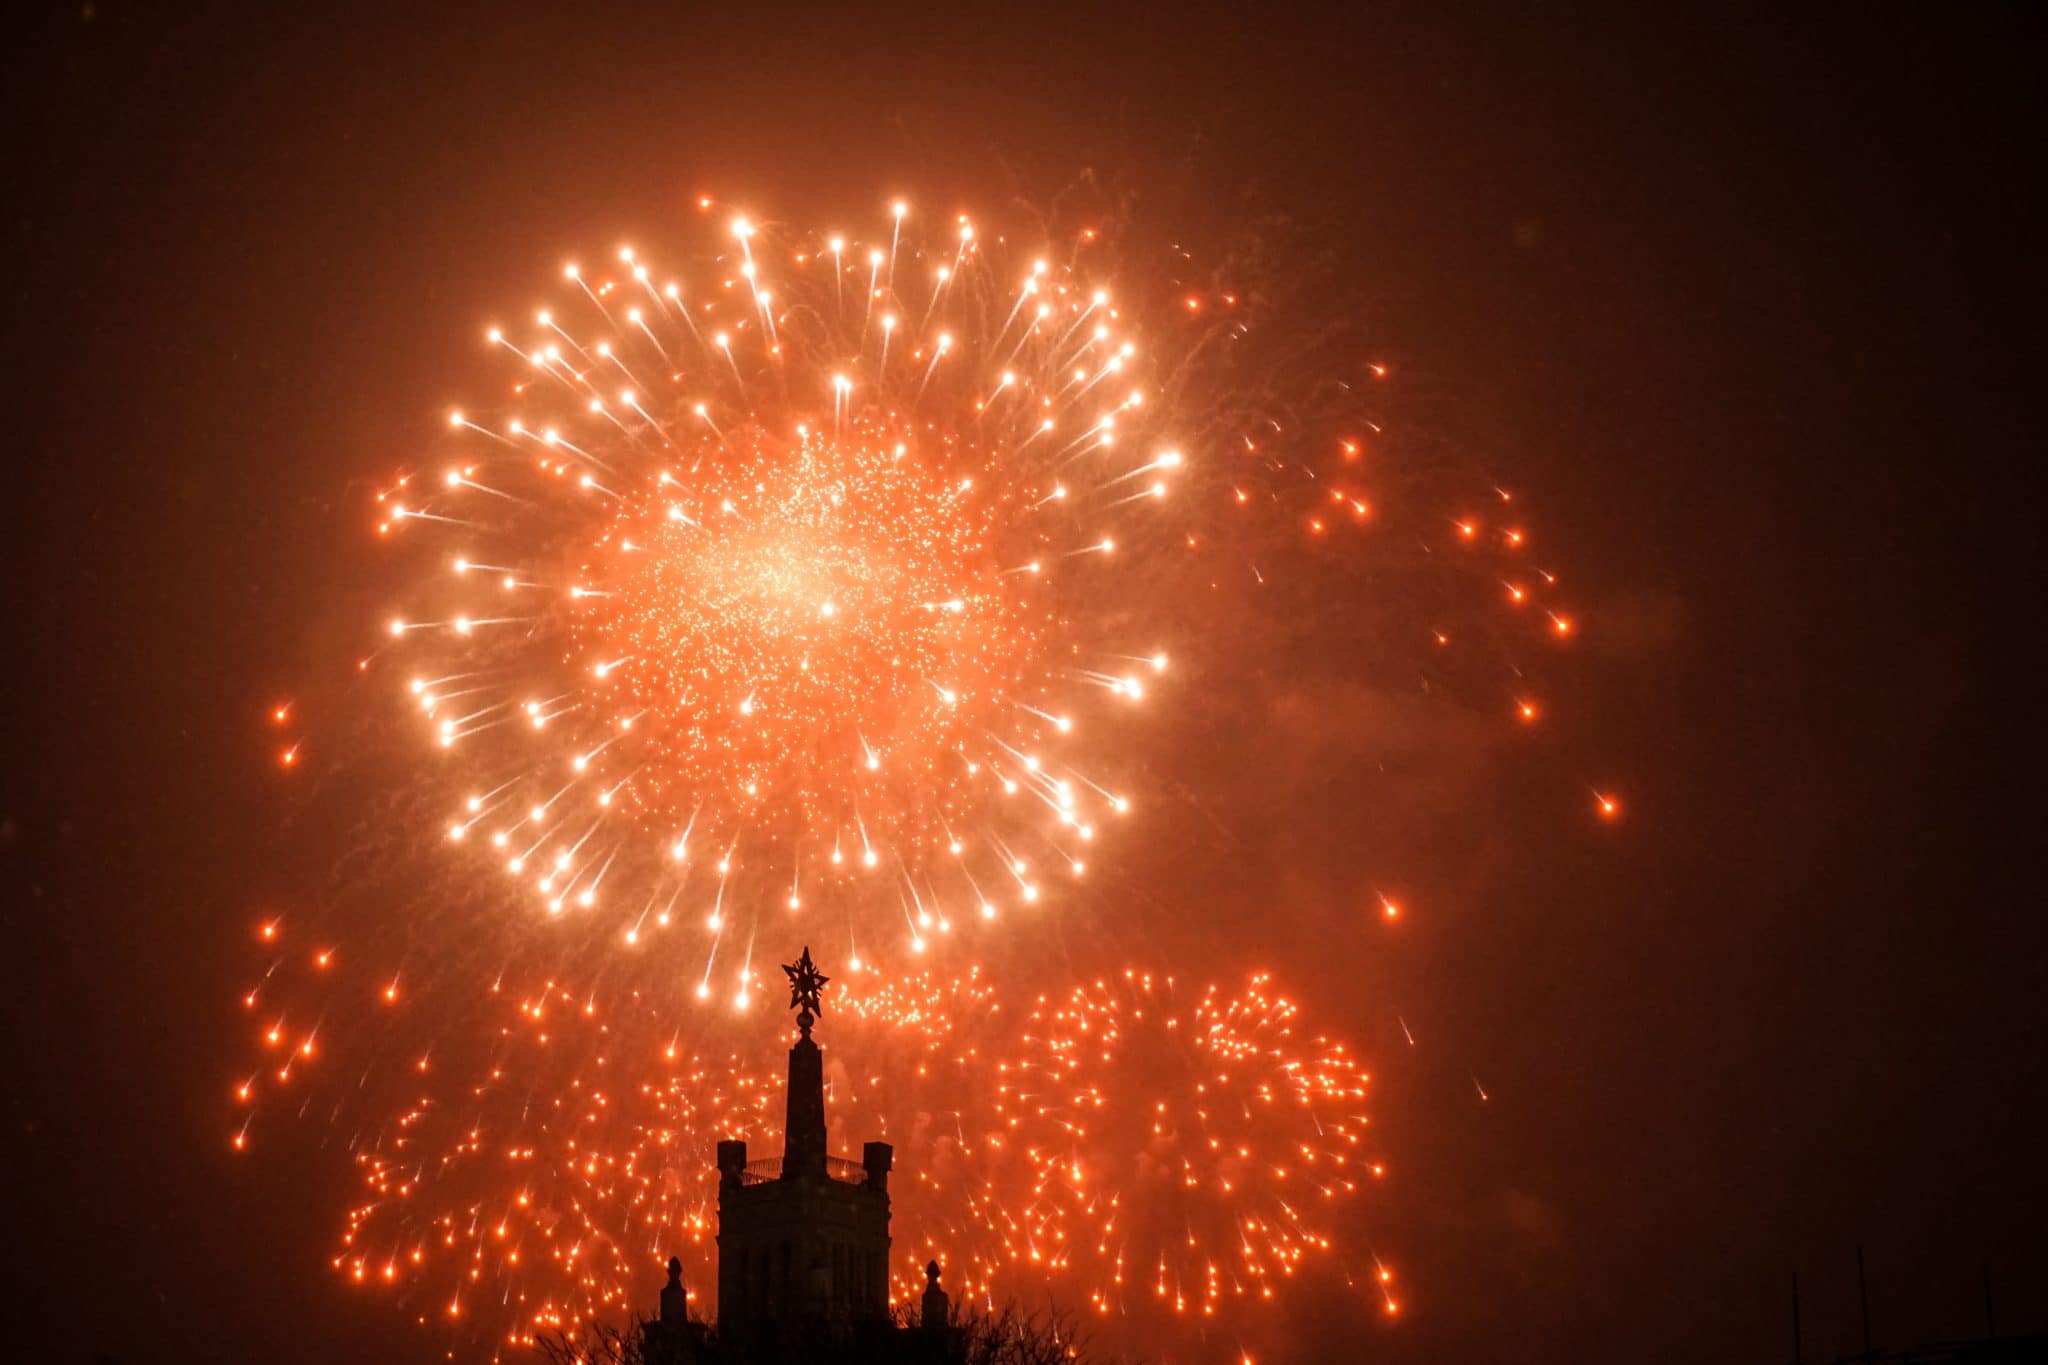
{"x":877,"y":1158}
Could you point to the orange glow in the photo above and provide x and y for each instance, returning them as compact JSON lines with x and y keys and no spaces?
{"x":828,"y":590}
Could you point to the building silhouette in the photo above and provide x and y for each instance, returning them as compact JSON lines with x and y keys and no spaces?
{"x":803,"y":1239}
{"x":671,"y":1338}
{"x":803,"y":1254}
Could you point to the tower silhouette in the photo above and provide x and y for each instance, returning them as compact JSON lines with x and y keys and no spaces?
{"x":804,"y":1241}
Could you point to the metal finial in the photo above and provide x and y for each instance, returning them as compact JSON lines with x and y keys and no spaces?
{"x":805,"y":982}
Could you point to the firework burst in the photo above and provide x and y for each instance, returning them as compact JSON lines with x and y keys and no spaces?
{"x":790,"y":579}
{"x":1182,"y":1149}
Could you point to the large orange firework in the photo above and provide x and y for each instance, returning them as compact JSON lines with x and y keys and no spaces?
{"x":791,"y":574}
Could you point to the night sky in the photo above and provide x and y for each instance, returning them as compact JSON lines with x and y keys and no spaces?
{"x":1733,"y":301}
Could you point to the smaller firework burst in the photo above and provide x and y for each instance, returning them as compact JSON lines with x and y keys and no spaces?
{"x":1178,"y":1149}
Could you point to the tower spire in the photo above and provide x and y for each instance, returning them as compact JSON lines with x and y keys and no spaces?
{"x":803,"y":1150}
{"x":812,"y":1246}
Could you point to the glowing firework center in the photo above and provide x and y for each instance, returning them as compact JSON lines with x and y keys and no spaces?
{"x":814,"y":634}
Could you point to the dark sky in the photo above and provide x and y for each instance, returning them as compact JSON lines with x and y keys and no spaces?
{"x":1737,"y":298}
